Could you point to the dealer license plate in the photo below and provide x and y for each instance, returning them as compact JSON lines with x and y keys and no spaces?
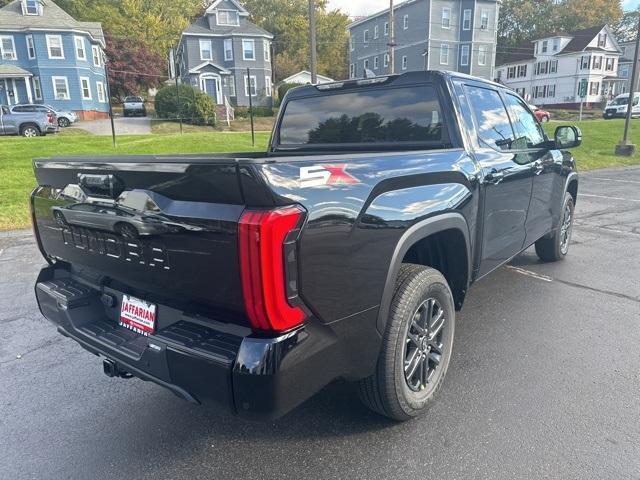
{"x":137,"y":315}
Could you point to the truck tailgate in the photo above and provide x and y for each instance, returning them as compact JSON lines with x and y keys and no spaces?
{"x":162,"y":228}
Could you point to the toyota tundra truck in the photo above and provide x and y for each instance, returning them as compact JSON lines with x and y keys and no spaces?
{"x":252,"y":280}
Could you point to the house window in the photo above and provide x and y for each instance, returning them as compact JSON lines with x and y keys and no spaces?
{"x":205,"y":50}
{"x":556,"y":44}
{"x":351,"y":47}
{"x":376,"y":32}
{"x":520,"y":91}
{"x":405,"y":22}
{"x":86,"y":88}
{"x":551,"y":91}
{"x":7,"y":48}
{"x":232,"y":86}
{"x":365,"y":36}
{"x":250,"y":84}
{"x":610,"y":65}
{"x":545,"y":46}
{"x":597,"y":62}
{"x":366,"y":64}
{"x":602,"y":40}
{"x":100,"y":90}
{"x":37,"y":88}
{"x":266,"y":51}
{"x":267,"y":86}
{"x":594,"y":88}
{"x":79,"y":44}
{"x":95,"y":53}
{"x":466,"y":20}
{"x":248,"y":49}
{"x":31,"y":7}
{"x":386,"y":29}
{"x":352,"y":71}
{"x":385,"y":60}
{"x":227,"y":17}
{"x":376,"y":63}
{"x":31,"y":48}
{"x":54,"y":45}
{"x":464,"y":55}
{"x":624,"y":70}
{"x":482,"y":55}
{"x":60,"y":88}
{"x":522,"y":71}
{"x":444,"y":54}
{"x":553,"y":66}
{"x":446,"y":17}
{"x":404,"y":62}
{"x":228,"y":49}
{"x":511,"y":72}
{"x":585,"y":62}
{"x":484,"y":19}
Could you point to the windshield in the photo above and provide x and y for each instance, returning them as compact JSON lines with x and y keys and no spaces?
{"x":624,"y":100}
{"x":405,"y":114}
{"x":133,"y":99}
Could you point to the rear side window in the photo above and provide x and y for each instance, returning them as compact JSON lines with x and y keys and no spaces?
{"x":406,"y":114}
{"x":494,"y":128}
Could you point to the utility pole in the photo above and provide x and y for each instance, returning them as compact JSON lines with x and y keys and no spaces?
{"x":312,"y":42}
{"x":105,"y":62}
{"x":179,"y":108}
{"x":624,"y":148}
{"x":392,"y":41}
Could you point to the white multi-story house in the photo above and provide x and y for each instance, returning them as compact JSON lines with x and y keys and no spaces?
{"x":548,"y":71}
{"x":625,"y":65}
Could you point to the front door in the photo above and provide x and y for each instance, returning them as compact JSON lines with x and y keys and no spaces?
{"x":211,"y":88}
{"x":507,"y":179}
{"x":546,"y":166}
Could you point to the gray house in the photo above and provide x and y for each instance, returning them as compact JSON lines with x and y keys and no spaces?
{"x":216,"y":50}
{"x":458,"y":35}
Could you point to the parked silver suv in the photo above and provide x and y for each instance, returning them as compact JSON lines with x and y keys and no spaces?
{"x":65,"y":117}
{"x":27,"y":124}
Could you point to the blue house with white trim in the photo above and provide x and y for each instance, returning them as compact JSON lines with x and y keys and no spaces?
{"x":46,"y":56}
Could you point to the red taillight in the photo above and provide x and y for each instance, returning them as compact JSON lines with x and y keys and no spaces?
{"x":50,"y":117}
{"x":263,"y":237}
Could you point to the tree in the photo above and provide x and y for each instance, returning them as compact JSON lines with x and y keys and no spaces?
{"x":288,"y":20}
{"x":627,"y":28}
{"x":522,"y":20}
{"x":133,"y":67}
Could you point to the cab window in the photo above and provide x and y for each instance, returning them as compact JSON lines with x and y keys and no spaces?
{"x":529,"y":133}
{"x":494,"y":127}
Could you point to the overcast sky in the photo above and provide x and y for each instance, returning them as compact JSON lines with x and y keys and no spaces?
{"x":367,"y":7}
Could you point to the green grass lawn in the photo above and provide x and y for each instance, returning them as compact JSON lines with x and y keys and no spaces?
{"x":16,"y":153}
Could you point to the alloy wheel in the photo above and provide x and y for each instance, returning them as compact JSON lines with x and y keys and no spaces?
{"x":424,"y":346}
{"x":565,"y":229}
{"x":30,"y":132}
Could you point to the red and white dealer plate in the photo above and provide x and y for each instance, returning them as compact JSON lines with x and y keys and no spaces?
{"x":138,"y":315}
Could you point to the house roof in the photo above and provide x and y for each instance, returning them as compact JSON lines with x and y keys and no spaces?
{"x":582,"y":38}
{"x":13,"y":71}
{"x":53,"y":18}
{"x":321,"y":78}
{"x":201,"y":27}
{"x":520,"y":53}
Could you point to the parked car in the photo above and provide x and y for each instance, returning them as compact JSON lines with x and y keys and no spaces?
{"x":344,"y":251}
{"x":134,"y":106}
{"x":65,"y":118}
{"x":28,"y":124}
{"x":617,"y":108}
{"x":541,"y":115}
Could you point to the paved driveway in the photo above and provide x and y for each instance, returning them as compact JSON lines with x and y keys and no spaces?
{"x":544,"y":383}
{"x":123,"y":126}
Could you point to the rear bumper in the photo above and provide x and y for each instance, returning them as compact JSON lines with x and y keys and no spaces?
{"x":200,"y":360}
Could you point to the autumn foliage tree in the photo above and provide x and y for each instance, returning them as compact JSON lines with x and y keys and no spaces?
{"x":133,"y":67}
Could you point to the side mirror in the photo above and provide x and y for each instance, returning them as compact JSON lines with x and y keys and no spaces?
{"x":567,"y":137}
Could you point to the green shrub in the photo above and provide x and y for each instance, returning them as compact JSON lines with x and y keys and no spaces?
{"x":243,"y":112}
{"x":195,"y":106}
{"x":284,"y":88}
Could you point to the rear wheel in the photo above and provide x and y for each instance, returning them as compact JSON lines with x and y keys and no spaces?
{"x":127,"y":230}
{"x":555,"y":246}
{"x":416,"y":347}
{"x":29,"y":131}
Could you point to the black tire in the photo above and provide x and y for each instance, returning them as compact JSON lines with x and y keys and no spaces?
{"x":30,"y":130}
{"x":127,"y":230}
{"x":555,"y":246}
{"x":63,"y":122}
{"x":391,"y":391}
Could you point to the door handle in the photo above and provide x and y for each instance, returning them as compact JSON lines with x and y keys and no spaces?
{"x":538,"y":168}
{"x":495,"y":176}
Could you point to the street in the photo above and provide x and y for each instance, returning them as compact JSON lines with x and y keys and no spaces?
{"x":544,"y":383}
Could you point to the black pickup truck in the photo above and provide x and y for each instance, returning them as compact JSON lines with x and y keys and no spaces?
{"x":253,"y":280}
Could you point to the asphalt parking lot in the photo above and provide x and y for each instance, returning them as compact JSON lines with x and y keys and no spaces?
{"x":544,"y":383}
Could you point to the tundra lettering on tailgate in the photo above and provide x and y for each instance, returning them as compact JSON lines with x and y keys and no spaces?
{"x":129,"y":250}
